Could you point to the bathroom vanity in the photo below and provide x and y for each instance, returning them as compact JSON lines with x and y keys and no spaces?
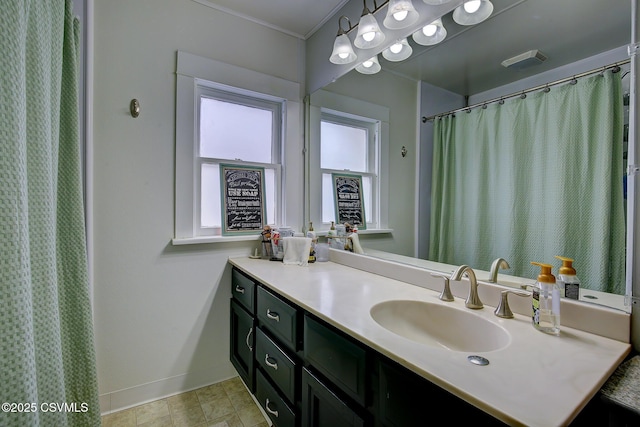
{"x":340,"y":345}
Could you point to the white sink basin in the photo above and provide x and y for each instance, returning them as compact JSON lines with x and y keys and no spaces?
{"x":438,"y":325}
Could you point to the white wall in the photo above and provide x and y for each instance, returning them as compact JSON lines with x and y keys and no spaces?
{"x":161,"y":311}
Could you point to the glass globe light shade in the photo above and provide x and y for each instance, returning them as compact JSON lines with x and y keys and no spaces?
{"x":370,"y":66}
{"x":473,"y":12}
{"x":342,"y":51}
{"x":369,"y":34}
{"x":430,"y":34}
{"x":398,"y":51}
{"x":400,"y":14}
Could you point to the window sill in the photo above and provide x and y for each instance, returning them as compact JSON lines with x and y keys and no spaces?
{"x":213,"y":239}
{"x":368,"y":231}
{"x":252,"y":237}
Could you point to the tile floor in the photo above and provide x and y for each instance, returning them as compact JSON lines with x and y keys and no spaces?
{"x":225,"y":404}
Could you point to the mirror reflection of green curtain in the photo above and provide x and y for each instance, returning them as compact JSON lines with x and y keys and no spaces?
{"x":46,"y":331}
{"x":534,"y":178}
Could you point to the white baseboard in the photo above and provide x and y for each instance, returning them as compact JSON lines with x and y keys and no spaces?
{"x":140,"y":394}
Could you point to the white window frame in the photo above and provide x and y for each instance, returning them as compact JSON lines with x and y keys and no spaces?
{"x":206,"y":89}
{"x":325,"y":104}
{"x":192,"y":71}
{"x":373,"y":157}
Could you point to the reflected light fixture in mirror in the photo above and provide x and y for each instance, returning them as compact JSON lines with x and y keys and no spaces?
{"x":370,"y":66}
{"x":369,"y":34}
{"x":398,"y":51}
{"x":436,"y":2}
{"x":342,"y":50}
{"x":430,"y":34}
{"x":472,"y":12}
{"x":400,"y":14}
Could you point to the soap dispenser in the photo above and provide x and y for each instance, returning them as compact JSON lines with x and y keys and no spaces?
{"x":567,"y":279}
{"x":545,"y":315}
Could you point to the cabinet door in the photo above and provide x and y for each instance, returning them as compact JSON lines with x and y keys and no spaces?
{"x":336,"y":357}
{"x":407,"y":399}
{"x":402,"y":397}
{"x":243,"y":343}
{"x":322,"y":408}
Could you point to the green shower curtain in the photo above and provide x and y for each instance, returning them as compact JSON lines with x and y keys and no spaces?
{"x":534,"y":178}
{"x":47,"y":358}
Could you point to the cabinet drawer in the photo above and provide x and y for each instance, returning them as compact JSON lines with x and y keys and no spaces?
{"x":340,"y":359}
{"x":279,"y":317}
{"x":276,"y":364}
{"x":276,"y":408}
{"x":243,"y":289}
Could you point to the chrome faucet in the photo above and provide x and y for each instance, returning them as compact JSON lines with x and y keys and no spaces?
{"x":473,"y":300}
{"x":497,"y":264}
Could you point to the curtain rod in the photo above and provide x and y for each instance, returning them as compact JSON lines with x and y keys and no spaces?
{"x":523,"y":93}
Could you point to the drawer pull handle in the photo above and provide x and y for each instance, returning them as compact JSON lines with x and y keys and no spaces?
{"x":239,"y":289}
{"x":269,"y":410}
{"x":247,"y":339}
{"x":273,"y":315}
{"x":270,"y":364}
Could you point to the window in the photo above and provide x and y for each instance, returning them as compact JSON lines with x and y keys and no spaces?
{"x":240,"y":129}
{"x":347,"y":134}
{"x":349,"y":144}
{"x":231,"y":115}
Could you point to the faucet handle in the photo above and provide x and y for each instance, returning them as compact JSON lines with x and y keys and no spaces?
{"x":445,"y":295}
{"x":503,"y":310}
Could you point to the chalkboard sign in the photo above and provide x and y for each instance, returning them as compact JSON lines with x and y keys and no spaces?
{"x":242,"y":199}
{"x":349,"y":205}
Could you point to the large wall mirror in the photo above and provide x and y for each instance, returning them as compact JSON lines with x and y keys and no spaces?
{"x":575,"y":36}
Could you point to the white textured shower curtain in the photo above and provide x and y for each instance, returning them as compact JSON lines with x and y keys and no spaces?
{"x":535,"y":178}
{"x":47,"y":358}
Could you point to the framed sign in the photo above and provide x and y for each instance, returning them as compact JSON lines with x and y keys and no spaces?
{"x":349,"y":205}
{"x":243,"y":204}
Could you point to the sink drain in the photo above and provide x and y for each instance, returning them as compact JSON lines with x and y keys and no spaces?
{"x":478,"y":360}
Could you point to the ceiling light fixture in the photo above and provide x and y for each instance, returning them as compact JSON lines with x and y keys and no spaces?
{"x":400,"y":14}
{"x":369,"y":34}
{"x":398,"y":51}
{"x":430,"y":34}
{"x":370,"y":66}
{"x":342,"y":50}
{"x":473,"y":12}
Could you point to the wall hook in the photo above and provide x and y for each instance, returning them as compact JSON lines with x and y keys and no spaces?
{"x":134,"y":108}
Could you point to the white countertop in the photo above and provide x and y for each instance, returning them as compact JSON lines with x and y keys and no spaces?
{"x":537,"y":380}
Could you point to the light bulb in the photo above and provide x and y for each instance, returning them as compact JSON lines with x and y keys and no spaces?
{"x":367,"y":64}
{"x":369,"y":36}
{"x":472,"y":6}
{"x":396,"y":47}
{"x":343,"y":55}
{"x":429,"y":30}
{"x":400,"y":16}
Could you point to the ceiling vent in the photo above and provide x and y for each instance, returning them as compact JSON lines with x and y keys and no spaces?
{"x":524,"y":60}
